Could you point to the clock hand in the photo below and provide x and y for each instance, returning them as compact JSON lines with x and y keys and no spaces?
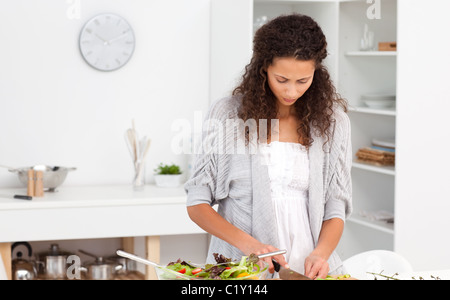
{"x":102,"y":39}
{"x":117,"y":38}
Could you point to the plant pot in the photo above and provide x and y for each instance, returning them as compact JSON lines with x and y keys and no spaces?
{"x":168,"y":180}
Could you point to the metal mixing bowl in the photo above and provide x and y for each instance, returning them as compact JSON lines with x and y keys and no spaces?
{"x":53,"y":176}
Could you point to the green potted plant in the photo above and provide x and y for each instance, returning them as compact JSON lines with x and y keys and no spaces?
{"x":168,"y":175}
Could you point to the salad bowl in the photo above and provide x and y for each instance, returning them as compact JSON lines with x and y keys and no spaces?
{"x":231,"y":271}
{"x":225,"y":269}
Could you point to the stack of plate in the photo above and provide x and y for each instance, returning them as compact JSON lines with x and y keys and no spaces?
{"x":386,"y":144}
{"x":381,"y":153}
{"x":379,"y":101}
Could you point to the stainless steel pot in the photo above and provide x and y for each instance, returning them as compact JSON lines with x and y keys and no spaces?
{"x":100,"y":269}
{"x":53,"y":176}
{"x":128,"y":265}
{"x":53,"y":263}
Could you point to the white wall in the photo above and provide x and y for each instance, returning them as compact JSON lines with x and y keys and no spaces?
{"x":56,"y":110}
{"x":231,"y":32}
{"x":423,"y":180}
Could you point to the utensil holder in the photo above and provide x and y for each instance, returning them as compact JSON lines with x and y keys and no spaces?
{"x":139,"y":177}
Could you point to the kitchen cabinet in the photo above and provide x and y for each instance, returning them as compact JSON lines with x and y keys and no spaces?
{"x":354,"y":73}
{"x":95,"y":212}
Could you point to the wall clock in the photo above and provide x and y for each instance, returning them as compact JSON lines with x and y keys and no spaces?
{"x":107,"y":42}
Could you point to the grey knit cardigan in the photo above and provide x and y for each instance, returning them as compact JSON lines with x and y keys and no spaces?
{"x":239,"y":183}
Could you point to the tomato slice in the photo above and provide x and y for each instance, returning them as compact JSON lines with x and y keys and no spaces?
{"x":196,"y":271}
{"x":182,"y":271}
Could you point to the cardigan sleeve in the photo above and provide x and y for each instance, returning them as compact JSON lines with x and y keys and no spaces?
{"x":208,"y":182}
{"x":338,"y":197}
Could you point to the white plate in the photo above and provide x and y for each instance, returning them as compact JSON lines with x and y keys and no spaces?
{"x":378,"y":97}
{"x":388,"y":143}
{"x":380,"y":103}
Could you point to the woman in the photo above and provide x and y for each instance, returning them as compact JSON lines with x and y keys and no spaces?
{"x":294,"y":193}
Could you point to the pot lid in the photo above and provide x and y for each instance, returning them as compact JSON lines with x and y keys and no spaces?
{"x":100,"y":261}
{"x":55,"y":251}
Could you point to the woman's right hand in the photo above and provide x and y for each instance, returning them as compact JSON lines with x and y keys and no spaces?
{"x":212,"y":222}
{"x":258,"y":248}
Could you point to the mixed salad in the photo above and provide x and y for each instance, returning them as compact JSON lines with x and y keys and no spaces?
{"x":225,"y":269}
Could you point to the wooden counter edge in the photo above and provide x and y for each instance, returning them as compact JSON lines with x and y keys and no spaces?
{"x":5,"y":251}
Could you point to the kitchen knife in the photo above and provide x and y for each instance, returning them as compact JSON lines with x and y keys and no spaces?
{"x":19,"y":197}
{"x":288,"y":274}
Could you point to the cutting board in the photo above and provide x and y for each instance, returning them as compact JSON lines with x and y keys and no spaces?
{"x":337,"y":277}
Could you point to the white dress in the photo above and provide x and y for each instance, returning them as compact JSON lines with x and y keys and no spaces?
{"x":288,"y":166}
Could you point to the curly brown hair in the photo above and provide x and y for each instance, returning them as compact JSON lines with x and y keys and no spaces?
{"x":300,"y":37}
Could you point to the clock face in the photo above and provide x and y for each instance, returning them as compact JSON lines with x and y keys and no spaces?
{"x":107,"y":42}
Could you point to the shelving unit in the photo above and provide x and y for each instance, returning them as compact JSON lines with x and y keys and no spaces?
{"x":363,"y":72}
{"x":353,"y":71}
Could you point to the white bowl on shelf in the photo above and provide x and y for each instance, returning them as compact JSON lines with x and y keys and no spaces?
{"x":379,"y":104}
{"x":379,"y":101}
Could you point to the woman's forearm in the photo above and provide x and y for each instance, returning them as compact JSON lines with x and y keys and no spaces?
{"x":212,"y":222}
{"x":330,"y":235}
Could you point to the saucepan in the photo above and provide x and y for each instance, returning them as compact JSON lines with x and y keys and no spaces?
{"x":53,"y":263}
{"x":100,"y":269}
{"x":54,"y":176}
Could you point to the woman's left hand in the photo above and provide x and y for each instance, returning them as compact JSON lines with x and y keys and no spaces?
{"x":316,"y":264}
{"x":316,"y":267}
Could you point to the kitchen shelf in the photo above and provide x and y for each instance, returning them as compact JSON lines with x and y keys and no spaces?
{"x":388,"y":170}
{"x":365,"y":72}
{"x":377,"y":225}
{"x":371,"y":53}
{"x":374,"y":111}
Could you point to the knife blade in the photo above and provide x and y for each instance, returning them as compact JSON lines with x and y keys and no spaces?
{"x":288,"y":274}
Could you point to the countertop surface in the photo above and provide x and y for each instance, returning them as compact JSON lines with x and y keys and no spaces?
{"x":95,"y":212}
{"x":92,"y":196}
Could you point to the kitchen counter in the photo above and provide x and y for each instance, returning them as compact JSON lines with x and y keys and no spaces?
{"x":95,"y":212}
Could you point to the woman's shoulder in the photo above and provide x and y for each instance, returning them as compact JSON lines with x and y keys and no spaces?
{"x":225,"y":108}
{"x":341,"y":121}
